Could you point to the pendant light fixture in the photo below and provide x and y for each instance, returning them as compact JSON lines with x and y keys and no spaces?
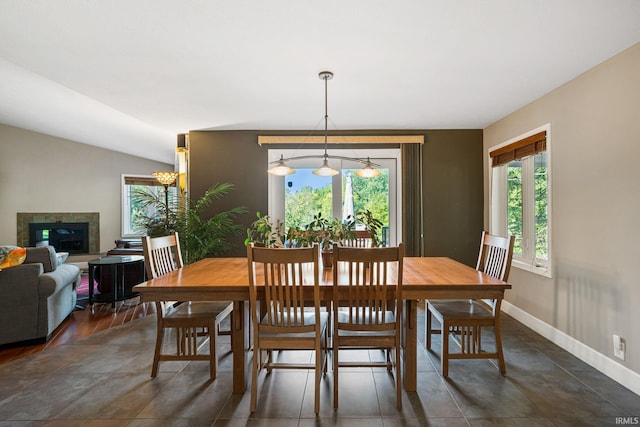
{"x":282,"y":169}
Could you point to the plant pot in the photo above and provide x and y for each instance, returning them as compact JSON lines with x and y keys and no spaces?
{"x":327,"y":258}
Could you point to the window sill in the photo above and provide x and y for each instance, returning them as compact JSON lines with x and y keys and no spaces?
{"x":535,"y":269}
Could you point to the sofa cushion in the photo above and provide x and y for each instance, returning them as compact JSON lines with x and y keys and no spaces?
{"x":10,"y":256}
{"x":62,"y":257}
{"x":46,"y":255}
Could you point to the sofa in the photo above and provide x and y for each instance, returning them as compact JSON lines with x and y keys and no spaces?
{"x":36,"y":296}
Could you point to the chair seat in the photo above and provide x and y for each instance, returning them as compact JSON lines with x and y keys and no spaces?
{"x":460,"y":309}
{"x":360,"y":327}
{"x":204,"y":310}
{"x":363,"y":315}
{"x":309,"y":320}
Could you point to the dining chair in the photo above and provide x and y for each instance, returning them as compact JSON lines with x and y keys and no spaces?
{"x":362,"y":239}
{"x":367,"y":301}
{"x":279,"y":319}
{"x":190,"y":320}
{"x":464,"y":319}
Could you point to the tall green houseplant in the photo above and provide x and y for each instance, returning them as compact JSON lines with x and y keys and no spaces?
{"x":200,"y":235}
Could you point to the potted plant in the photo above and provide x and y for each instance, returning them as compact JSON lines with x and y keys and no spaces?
{"x":200,"y":235}
{"x":327,"y":232}
{"x":266,"y":232}
{"x":373,"y":226}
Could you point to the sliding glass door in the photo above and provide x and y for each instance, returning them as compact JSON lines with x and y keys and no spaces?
{"x":297,"y":198}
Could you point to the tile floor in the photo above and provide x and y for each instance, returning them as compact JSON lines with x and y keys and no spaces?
{"x":103,"y":380}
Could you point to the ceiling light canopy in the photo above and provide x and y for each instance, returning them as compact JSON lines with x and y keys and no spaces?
{"x":282,"y":169}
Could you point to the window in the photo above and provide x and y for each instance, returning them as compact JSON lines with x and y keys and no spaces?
{"x":298,"y":197}
{"x":132,"y":214}
{"x":520,"y":198}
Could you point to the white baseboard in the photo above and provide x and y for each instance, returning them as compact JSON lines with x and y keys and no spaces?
{"x":599,"y":361}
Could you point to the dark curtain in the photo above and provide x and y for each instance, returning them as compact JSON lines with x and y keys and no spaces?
{"x":412,"y":229}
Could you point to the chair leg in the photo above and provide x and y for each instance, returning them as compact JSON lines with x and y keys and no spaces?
{"x":319,"y":356}
{"x":325,"y":352}
{"x":257,"y":356}
{"x":213,"y":361}
{"x":503,"y":367}
{"x":335,"y":369}
{"x":428,"y":321}
{"x":445,"y":349}
{"x":159,"y":337}
{"x":269,"y":361}
{"x":398,"y":378}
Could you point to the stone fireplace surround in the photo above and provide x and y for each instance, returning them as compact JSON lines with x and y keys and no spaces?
{"x":93,"y":218}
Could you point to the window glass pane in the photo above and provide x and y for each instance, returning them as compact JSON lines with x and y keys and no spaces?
{"x":541,"y":199}
{"x":306,"y":194}
{"x":135,"y":215}
{"x":514,"y":204}
{"x":370,"y":194}
{"x":296,"y":198}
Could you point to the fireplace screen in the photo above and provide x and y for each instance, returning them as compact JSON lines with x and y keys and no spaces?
{"x":72,"y":237}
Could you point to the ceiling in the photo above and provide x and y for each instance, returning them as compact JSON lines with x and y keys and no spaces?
{"x":130,"y":75}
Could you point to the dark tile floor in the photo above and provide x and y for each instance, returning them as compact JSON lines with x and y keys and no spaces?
{"x":103,"y":380}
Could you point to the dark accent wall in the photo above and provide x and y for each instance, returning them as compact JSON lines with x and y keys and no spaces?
{"x":453,"y":194}
{"x":452,"y":182}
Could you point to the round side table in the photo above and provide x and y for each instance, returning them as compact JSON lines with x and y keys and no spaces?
{"x":116,"y":264}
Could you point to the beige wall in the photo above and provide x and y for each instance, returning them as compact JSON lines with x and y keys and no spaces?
{"x":595,"y":150}
{"x":41,"y":173}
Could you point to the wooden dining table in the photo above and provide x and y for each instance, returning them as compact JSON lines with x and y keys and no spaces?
{"x":227,"y":279}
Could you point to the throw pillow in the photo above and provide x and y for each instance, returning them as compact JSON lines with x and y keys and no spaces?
{"x":46,"y":255}
{"x":10,"y":256}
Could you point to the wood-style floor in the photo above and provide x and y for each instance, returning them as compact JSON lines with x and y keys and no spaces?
{"x":82,"y":323}
{"x":104,"y":380}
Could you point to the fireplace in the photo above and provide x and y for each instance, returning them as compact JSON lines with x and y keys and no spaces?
{"x":73,"y":232}
{"x":72,"y":237}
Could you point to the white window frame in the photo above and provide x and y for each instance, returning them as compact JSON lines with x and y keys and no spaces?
{"x":126,"y":203}
{"x":498,"y":201}
{"x":385,"y":157}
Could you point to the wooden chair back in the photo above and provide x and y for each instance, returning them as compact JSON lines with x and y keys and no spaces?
{"x":495,"y":255}
{"x":369,"y":279}
{"x":362,"y":240}
{"x":284,"y":275}
{"x":161,"y":254}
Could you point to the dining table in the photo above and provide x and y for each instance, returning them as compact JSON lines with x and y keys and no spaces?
{"x":227,"y":279}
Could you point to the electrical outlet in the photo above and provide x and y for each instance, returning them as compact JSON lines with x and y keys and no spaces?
{"x":618,"y":347}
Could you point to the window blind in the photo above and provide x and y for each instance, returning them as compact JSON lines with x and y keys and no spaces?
{"x":143,"y":180}
{"x":528,"y":146}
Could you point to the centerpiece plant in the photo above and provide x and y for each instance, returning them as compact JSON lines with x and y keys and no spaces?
{"x":325,"y":232}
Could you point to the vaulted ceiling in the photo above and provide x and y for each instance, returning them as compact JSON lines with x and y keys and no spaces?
{"x":130,"y":75}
